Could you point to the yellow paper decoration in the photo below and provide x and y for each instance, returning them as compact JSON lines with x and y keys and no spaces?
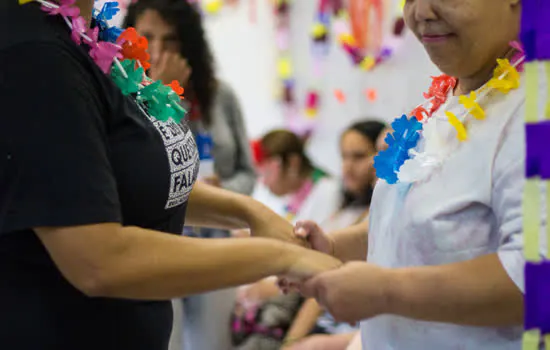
{"x":461,"y":133}
{"x":284,"y":67}
{"x":531,"y":340}
{"x":310,"y":112}
{"x":318,"y":30}
{"x":471,"y":105}
{"x":367,"y":63}
{"x":531,"y":220}
{"x":505,"y":77}
{"x":213,"y":6}
{"x":347,"y":38}
{"x":531,"y":92}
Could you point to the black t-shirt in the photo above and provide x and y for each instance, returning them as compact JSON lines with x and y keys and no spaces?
{"x":75,"y":151}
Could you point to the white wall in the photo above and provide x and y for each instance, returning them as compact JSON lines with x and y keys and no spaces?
{"x":246,"y":58}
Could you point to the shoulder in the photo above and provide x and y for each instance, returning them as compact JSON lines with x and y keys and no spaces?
{"x":225,"y":94}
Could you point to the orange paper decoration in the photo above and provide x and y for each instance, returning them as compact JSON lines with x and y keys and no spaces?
{"x":371,"y":94}
{"x":368,"y":34}
{"x":339,"y":94}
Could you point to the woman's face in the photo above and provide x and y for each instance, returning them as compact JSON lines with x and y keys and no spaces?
{"x":162,"y":36}
{"x":357,"y":161}
{"x":464,"y":37}
{"x":276,"y":175}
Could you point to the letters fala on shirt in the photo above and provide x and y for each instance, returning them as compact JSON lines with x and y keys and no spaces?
{"x":183,"y":158}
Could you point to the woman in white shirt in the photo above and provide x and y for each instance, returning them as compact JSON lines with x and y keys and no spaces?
{"x":444,"y":252}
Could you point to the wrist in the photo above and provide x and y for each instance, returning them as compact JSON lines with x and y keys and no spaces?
{"x":394,"y":290}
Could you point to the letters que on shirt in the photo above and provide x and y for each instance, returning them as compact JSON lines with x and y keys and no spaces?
{"x":183,"y":158}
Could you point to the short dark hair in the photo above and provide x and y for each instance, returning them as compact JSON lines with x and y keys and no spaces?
{"x":283,"y":143}
{"x":187,"y":21}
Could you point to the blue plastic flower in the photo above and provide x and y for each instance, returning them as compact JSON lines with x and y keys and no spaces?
{"x":404,"y":137}
{"x":109,"y":10}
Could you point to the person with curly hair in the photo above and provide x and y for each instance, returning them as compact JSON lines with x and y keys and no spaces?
{"x":179,"y":51}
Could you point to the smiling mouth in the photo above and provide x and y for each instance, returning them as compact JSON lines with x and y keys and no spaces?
{"x":435,"y":38}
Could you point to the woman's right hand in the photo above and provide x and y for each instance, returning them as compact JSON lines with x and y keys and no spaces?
{"x":170,"y":67}
{"x":307,"y":263}
{"x":316,"y":237}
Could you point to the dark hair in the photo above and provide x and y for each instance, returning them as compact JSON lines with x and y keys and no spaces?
{"x":187,"y":21}
{"x":371,"y":130}
{"x":283,"y":144}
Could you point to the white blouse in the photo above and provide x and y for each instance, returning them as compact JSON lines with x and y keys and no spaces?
{"x":469,"y":207}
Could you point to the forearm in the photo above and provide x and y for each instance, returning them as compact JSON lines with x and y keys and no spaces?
{"x":351,"y":243}
{"x":476,"y":292}
{"x":217,"y":208}
{"x":305,"y":320}
{"x":151,"y":265}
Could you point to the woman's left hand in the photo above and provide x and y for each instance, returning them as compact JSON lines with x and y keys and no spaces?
{"x":352,"y":293}
{"x":276,"y":227}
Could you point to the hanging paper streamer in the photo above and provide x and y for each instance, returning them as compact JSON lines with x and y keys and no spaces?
{"x":339,"y":94}
{"x":312,"y":103}
{"x":535,"y":36}
{"x":363,"y":39}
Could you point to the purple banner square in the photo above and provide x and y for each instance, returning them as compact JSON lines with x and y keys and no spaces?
{"x":543,"y":43}
{"x":537,"y":162}
{"x":537,"y":296}
{"x":529,"y":26}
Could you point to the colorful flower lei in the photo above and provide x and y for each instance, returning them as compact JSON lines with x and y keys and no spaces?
{"x":407,"y":130}
{"x":108,"y":46}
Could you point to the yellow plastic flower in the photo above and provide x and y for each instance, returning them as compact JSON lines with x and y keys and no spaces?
{"x":461,"y":133}
{"x":471,"y":105}
{"x":505,"y":77}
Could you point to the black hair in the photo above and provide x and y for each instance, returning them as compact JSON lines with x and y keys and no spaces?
{"x":187,"y":21}
{"x":371,"y":131}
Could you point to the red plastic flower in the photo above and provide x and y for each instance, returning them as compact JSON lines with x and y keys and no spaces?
{"x":438,"y":91}
{"x":176,"y":87}
{"x":419,"y":113}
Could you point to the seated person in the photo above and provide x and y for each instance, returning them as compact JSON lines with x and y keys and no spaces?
{"x":359,"y":144}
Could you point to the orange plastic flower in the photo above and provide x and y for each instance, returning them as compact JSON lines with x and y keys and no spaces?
{"x":134,"y":47}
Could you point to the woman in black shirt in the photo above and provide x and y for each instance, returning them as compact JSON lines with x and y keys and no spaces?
{"x":90,"y":185}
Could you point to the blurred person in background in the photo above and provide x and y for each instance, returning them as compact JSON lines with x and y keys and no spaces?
{"x":296,"y":189}
{"x":312,"y":328}
{"x":179,"y":51}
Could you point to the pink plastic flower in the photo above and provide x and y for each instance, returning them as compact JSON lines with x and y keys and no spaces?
{"x":66,"y":8}
{"x":104,"y":54}
{"x":79,"y":28}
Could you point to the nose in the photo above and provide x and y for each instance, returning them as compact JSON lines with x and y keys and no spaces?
{"x":155,"y":49}
{"x":423,"y":10}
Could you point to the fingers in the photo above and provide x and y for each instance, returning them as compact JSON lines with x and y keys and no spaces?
{"x":305,"y":228}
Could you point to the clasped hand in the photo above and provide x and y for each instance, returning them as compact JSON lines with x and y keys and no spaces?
{"x":351,"y":293}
